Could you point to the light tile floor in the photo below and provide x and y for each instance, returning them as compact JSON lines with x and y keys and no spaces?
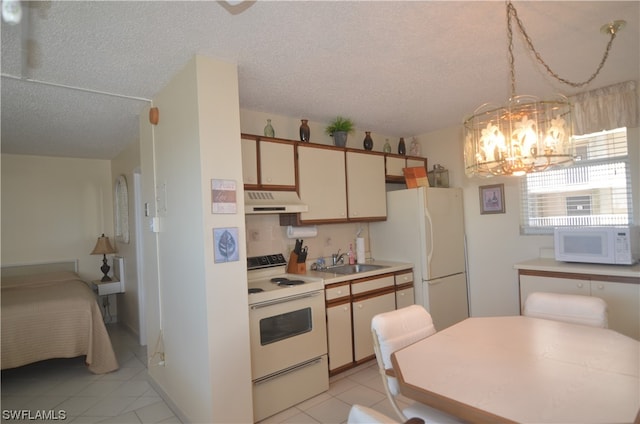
{"x":126,"y":397}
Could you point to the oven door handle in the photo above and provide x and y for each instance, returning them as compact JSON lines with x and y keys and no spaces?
{"x":287,"y":371}
{"x":285,"y":300}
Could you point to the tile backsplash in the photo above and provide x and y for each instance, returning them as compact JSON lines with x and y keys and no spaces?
{"x":266,"y":236}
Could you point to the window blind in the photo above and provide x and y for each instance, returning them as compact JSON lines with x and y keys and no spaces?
{"x":594,"y":191}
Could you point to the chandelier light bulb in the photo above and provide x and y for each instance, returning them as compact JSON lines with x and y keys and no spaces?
{"x":11,"y":11}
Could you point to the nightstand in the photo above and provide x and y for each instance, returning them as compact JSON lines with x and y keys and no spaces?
{"x":104,"y":289}
{"x":107,"y":287}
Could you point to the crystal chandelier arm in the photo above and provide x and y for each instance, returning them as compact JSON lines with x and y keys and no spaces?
{"x":609,"y":28}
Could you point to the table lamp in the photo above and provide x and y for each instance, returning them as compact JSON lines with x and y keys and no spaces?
{"x":103,"y":246}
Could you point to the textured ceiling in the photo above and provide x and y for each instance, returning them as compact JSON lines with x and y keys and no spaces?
{"x":397,"y":67}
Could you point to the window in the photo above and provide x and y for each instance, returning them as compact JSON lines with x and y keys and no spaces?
{"x":594,"y":191}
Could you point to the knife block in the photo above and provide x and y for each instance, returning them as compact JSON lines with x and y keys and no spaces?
{"x":293,"y":267}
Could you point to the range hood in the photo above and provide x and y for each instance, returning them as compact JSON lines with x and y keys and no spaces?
{"x":258,"y":202}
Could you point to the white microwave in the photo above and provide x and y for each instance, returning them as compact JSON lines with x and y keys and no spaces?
{"x":598,"y":245}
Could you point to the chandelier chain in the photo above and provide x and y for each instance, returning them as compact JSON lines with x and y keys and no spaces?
{"x":511,"y":10}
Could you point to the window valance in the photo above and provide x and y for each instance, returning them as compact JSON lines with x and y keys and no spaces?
{"x":606,"y":108}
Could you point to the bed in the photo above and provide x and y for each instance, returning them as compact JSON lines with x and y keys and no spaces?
{"x":49,"y":312}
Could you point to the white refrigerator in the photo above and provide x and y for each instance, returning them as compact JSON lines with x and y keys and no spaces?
{"x":425,"y":226}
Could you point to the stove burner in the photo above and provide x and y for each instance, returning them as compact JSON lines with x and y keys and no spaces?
{"x":288,"y":282}
{"x":255,"y":290}
{"x":279,"y":279}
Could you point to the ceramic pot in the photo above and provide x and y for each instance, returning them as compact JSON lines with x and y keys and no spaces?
{"x":368,"y":141}
{"x":402,"y":149}
{"x":268,"y":129}
{"x":305,"y":131}
{"x":340,"y":138}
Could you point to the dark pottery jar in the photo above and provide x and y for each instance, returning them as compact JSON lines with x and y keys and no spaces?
{"x":368,"y":141}
{"x":305,"y":131}
{"x":402,"y":149}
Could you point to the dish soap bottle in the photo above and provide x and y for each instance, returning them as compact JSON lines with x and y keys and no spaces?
{"x":352,"y":259}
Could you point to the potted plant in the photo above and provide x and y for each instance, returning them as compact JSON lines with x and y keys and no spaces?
{"x":339,"y":128}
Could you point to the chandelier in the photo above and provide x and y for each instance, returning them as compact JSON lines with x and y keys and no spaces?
{"x":526,"y":134}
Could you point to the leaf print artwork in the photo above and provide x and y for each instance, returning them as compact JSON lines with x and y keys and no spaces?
{"x":226,"y":245}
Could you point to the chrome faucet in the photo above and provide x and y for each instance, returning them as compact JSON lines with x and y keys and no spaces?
{"x":337,"y":257}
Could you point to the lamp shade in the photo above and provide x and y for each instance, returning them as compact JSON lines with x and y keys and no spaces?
{"x":103,"y":246}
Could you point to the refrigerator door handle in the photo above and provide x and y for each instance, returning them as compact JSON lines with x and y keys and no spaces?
{"x":430,"y":247}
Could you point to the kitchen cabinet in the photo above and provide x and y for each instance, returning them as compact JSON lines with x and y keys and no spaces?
{"x":322,"y":183}
{"x":371,"y":296}
{"x":249,"y":149}
{"x":404,"y":290}
{"x":366,"y":193}
{"x":622,"y":294}
{"x":268,"y":163}
{"x":395,"y":163}
{"x":339,"y":326}
{"x":350,"y":306}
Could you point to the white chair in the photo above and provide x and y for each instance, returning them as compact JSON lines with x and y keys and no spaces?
{"x":572,"y":308}
{"x":392,"y":331}
{"x":359,"y":414}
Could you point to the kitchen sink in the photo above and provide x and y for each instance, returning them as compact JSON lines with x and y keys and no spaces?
{"x":352,"y":269}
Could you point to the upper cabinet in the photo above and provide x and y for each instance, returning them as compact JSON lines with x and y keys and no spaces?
{"x":366,"y":193}
{"x":249,"y":162}
{"x":337,"y":184}
{"x":395,"y":163}
{"x":268,"y":163}
{"x":322,"y":183}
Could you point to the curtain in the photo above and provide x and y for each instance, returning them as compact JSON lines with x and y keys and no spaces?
{"x":605,"y":108}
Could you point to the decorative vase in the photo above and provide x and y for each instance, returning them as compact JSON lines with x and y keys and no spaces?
{"x":268,"y":129}
{"x":387,"y":146}
{"x":305,"y":131}
{"x":402,"y":149}
{"x":414,"y":147}
{"x":368,"y":141}
{"x":340,"y":138}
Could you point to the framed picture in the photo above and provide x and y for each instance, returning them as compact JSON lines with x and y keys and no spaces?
{"x":492,"y":199}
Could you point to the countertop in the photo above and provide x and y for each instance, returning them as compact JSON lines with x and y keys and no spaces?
{"x":550,"y":264}
{"x":389,"y":266}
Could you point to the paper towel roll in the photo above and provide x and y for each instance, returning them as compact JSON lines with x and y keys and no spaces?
{"x":301,"y":232}
{"x":360,"y":250}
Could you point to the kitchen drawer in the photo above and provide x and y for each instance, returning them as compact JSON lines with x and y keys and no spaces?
{"x":404,"y":278}
{"x":363,"y":286}
{"x":336,"y":292}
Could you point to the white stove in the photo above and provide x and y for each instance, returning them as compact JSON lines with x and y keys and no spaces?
{"x":288,"y":333}
{"x":268,"y":279}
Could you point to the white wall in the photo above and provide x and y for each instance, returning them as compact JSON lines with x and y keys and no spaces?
{"x":200,"y":307}
{"x":253,"y":122}
{"x":125,"y":164}
{"x":55,"y":209}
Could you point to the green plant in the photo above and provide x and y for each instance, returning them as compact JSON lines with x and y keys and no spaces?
{"x":340,"y":124}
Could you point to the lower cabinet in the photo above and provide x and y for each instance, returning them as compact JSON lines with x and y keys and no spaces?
{"x":350,"y":306}
{"x":363,"y":311}
{"x":405,"y":297}
{"x":339,"y":335}
{"x":622,"y":294}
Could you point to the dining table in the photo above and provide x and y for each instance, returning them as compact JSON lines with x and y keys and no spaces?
{"x":526,"y":370}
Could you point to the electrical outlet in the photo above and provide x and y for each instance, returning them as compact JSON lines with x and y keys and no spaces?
{"x":255,"y":235}
{"x":328,"y":241}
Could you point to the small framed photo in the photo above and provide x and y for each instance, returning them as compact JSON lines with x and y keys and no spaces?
{"x":492,"y":199}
